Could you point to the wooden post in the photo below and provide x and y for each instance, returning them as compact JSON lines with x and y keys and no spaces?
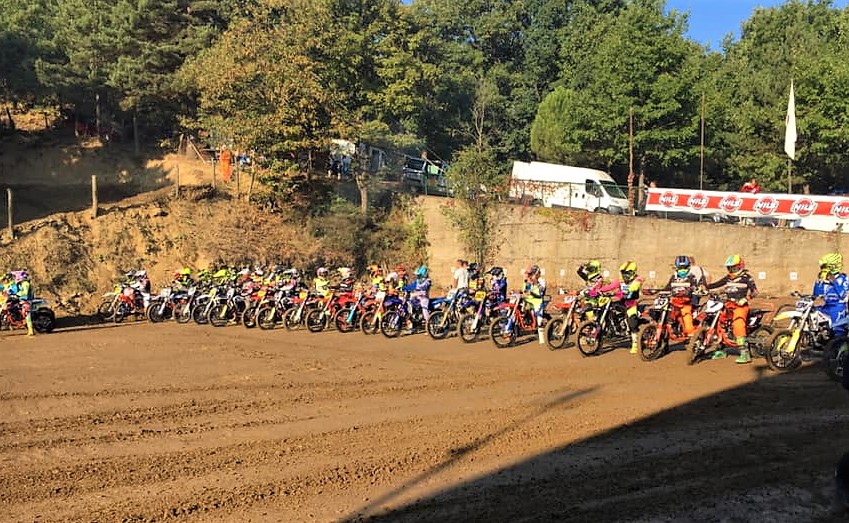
{"x":177,"y":185}
{"x":213,"y":172}
{"x":238,"y":172}
{"x":9,"y":214}
{"x":94,"y":196}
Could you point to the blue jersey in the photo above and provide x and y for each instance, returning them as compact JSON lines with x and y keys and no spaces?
{"x":836,"y":294}
{"x":419,"y":286}
{"x":499,"y":289}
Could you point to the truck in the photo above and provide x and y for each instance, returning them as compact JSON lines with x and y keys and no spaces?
{"x":425,"y":176}
{"x":553,"y":185}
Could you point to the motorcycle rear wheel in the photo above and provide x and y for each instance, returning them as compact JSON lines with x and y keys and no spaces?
{"x":652,"y":348}
{"x":758,"y":341}
{"x":556,"y":334}
{"x":43,"y":322}
{"x":589,"y":338}
{"x":777,"y":356}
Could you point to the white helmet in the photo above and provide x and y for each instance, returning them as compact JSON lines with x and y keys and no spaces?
{"x":345,"y":272}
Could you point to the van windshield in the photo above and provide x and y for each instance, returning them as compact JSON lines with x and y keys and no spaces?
{"x":613,"y":190}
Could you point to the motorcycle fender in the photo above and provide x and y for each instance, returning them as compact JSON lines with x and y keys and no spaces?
{"x":786,"y":315}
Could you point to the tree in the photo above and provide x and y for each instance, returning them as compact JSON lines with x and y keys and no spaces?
{"x":477,"y":178}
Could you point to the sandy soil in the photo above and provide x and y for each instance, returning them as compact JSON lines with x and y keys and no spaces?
{"x":185,"y":423}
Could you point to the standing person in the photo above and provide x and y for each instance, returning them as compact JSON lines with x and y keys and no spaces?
{"x":752,"y":186}
{"x":740,"y":288}
{"x":461,"y":275}
{"x":534,"y":296}
{"x":226,"y":159}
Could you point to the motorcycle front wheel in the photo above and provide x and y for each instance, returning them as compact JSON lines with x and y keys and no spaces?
{"x":466,"y":328}
{"x":220,"y":315}
{"x":778,"y":357}
{"x":834,"y":356}
{"x":316,"y":320}
{"x":589,"y":338}
{"x":43,"y":322}
{"x":391,"y":324}
{"x":556,"y":333}
{"x":438,"y":325}
{"x":652,"y":346}
{"x":696,"y":347}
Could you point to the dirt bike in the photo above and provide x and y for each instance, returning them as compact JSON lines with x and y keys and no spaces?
{"x":562,"y":325}
{"x":162,"y":306}
{"x":514,"y":320}
{"x":258,"y":297}
{"x":447,"y":312}
{"x":715,"y":330}
{"x":664,"y":327}
{"x":106,"y":309}
{"x":13,"y":314}
{"x":809,"y":330}
{"x":397,"y":317}
{"x":608,"y":320}
{"x":293,"y":319}
{"x":471,"y":323}
{"x":183,"y":309}
{"x":228,"y":310}
{"x":270,"y":314}
{"x":130,"y":303}
{"x":383,"y":303}
{"x":349,"y":317}
{"x":320,"y":318}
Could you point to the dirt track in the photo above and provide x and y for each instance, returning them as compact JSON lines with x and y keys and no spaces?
{"x":166,"y":422}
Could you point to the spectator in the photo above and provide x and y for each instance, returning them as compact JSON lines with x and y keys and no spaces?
{"x":752,"y":186}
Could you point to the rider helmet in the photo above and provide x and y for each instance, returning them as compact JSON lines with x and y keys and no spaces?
{"x":735,"y":265}
{"x":531,"y":271}
{"x":496,"y":272}
{"x":593,"y":270}
{"x":141,"y":274}
{"x":344,"y":272}
{"x":400,"y":269}
{"x":628,"y":270}
{"x":474,"y":271}
{"x":831,"y":263}
{"x":321,"y":272}
{"x":421,"y":272}
{"x":373,"y":270}
{"x":20,"y":276}
{"x":682,"y":266}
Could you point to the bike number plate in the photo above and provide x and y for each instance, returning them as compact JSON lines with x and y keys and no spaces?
{"x":379,"y":295}
{"x":480,"y":295}
{"x":165,"y":292}
{"x":568,"y":299}
{"x":303,"y":295}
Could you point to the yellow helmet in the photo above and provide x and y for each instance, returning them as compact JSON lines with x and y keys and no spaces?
{"x":832,"y":263}
{"x":628,"y":271}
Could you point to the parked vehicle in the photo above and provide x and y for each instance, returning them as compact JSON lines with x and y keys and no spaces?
{"x":566,"y":186}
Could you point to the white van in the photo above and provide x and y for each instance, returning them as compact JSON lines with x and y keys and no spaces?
{"x":821,"y":223}
{"x":553,"y":185}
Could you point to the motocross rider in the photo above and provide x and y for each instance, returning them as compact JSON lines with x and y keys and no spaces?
{"x":630,"y":286}
{"x":590,"y":271}
{"x":182,"y":279}
{"x":740,"y":288}
{"x":420,"y":291}
{"x":833,"y":285}
{"x":682,"y":284}
{"x":346,"y":279}
{"x":321,"y":285}
{"x":139,"y":281}
{"x":498,"y":291}
{"x":376,"y":276}
{"x":534,"y":296}
{"x":22,"y":288}
{"x":475,"y":280}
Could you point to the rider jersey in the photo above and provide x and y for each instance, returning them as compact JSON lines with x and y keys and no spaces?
{"x":682,"y":287}
{"x":321,"y":286}
{"x":420,"y":287}
{"x":737,"y":288}
{"x":631,"y":291}
{"x":377,"y":283}
{"x":499,"y":289}
{"x":835,"y":291}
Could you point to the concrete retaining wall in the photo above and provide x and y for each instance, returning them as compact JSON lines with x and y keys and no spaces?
{"x":559,"y":240}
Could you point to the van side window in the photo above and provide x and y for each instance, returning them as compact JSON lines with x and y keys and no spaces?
{"x":592,"y":188}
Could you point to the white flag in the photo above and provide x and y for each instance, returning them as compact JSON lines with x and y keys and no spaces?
{"x":790,"y":132}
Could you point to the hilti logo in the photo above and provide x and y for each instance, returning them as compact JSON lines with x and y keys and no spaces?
{"x":766,"y":205}
{"x":803,"y":207}
{"x":697,"y":201}
{"x":669,"y":199}
{"x":731,"y":203}
{"x":841,"y":209}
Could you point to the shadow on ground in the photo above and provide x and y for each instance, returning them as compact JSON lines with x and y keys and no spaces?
{"x":764,"y":451}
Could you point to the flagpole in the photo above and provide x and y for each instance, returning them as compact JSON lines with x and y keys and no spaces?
{"x":702,"y":148}
{"x":789,"y":176}
{"x":790,"y":136}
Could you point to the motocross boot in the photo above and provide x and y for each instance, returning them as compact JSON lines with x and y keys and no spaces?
{"x":30,"y":332}
{"x":635,"y":344}
{"x":745,"y":355}
{"x":719,"y":355}
{"x":541,"y":334}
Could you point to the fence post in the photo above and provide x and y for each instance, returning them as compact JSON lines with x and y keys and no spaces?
{"x":213,"y":173}
{"x":9,"y":214}
{"x":94,"y":196}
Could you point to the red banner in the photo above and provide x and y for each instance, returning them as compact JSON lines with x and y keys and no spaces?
{"x":747,"y":205}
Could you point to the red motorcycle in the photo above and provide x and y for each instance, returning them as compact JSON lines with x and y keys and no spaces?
{"x":320,"y":318}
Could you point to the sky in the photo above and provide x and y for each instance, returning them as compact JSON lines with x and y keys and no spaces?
{"x":711,"y":20}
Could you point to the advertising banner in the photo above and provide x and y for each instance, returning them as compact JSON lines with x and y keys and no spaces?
{"x":747,"y":205}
